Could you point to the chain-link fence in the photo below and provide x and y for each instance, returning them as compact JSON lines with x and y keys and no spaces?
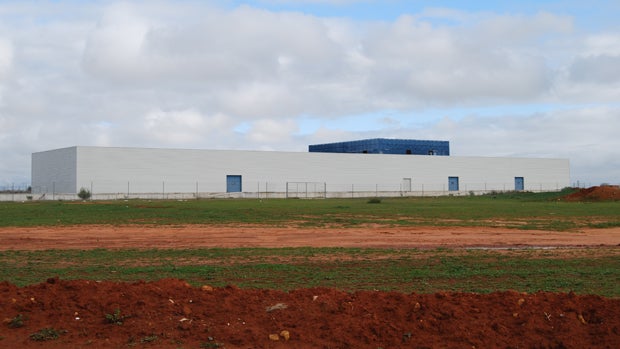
{"x":118,"y":190}
{"x":15,"y":192}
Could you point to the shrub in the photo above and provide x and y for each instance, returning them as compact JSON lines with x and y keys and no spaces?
{"x":84,"y":194}
{"x":374,"y":201}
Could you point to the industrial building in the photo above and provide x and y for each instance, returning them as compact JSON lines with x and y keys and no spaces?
{"x":115,"y":172}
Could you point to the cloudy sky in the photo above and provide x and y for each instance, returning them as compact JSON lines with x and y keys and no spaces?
{"x":519,"y":78}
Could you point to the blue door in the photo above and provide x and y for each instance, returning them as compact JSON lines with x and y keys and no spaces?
{"x":519,"y":183}
{"x":453,"y":183}
{"x":233,"y":184}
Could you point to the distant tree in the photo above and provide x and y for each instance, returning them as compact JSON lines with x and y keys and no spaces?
{"x":84,"y":194}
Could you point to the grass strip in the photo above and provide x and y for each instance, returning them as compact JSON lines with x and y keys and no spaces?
{"x":584,"y":271}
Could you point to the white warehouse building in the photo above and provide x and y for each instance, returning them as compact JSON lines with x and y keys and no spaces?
{"x":116,"y":172}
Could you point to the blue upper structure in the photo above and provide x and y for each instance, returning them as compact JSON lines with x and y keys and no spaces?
{"x":385,"y":146}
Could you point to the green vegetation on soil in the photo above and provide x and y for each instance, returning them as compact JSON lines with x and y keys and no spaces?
{"x":513,"y":210}
{"x":584,"y":271}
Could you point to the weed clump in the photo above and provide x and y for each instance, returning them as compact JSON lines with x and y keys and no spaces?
{"x":115,"y":318}
{"x":16,"y":322}
{"x":148,"y":339}
{"x":45,"y":334}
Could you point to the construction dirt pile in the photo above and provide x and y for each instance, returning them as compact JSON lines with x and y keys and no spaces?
{"x":601,"y":193}
{"x":171,"y":314}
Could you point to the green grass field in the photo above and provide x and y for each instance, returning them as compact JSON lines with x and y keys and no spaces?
{"x":514,"y":210}
{"x":586,"y":271}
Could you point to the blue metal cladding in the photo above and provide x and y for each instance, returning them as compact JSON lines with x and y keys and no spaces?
{"x":385,"y":146}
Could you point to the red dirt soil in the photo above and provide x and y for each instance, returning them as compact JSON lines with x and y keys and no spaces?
{"x":171,"y":314}
{"x":602,"y":193}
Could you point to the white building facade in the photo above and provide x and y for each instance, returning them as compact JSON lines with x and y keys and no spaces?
{"x":109,"y":172}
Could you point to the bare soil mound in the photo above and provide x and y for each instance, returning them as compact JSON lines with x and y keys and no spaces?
{"x":601,"y":193}
{"x":171,"y":314}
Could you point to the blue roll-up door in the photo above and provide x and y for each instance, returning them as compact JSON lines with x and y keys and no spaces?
{"x":233,"y":183}
{"x":519,"y":183}
{"x":453,"y":183}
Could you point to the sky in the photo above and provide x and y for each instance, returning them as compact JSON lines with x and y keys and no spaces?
{"x":494,"y":78}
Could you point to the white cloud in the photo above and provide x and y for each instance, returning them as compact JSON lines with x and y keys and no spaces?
{"x":114,"y":47}
{"x":596,"y":69}
{"x":226,"y":48}
{"x":602,"y":43}
{"x":272,"y":131}
{"x":521,"y":29}
{"x":182,"y":127}
{"x":417,"y":63}
{"x":404,"y":64}
{"x":6,"y":57}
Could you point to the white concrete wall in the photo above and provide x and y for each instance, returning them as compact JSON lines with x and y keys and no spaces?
{"x":141,"y":170}
{"x":54,"y":171}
